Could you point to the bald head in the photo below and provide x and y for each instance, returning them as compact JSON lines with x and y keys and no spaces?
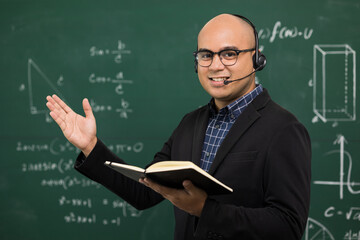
{"x":229,"y":25}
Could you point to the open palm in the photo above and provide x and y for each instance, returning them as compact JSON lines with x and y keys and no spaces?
{"x":79,"y":130}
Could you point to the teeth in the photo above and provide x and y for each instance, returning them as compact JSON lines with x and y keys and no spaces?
{"x":219,"y":79}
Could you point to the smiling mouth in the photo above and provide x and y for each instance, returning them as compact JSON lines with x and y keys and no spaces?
{"x":219,"y":79}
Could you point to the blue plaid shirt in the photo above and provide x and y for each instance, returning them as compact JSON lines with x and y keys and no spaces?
{"x":220,"y":123}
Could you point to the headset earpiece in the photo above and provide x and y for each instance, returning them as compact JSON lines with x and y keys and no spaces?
{"x":259,"y":61}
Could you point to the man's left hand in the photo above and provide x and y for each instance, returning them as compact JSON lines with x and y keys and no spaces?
{"x":191,"y":199}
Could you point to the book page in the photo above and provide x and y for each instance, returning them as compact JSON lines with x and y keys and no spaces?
{"x":170,"y":165}
{"x":178,"y":165}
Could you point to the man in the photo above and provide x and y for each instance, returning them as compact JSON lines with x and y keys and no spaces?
{"x":241,"y":137}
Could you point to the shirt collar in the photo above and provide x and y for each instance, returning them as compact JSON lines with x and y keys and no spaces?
{"x":238,"y":106}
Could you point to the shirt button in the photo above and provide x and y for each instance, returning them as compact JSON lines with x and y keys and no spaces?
{"x":232,"y":116}
{"x":217,"y":126}
{"x":207,"y":154}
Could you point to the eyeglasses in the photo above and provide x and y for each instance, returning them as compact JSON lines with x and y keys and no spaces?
{"x":228,"y":57}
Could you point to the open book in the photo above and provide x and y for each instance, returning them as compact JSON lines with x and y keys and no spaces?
{"x":172,"y":174}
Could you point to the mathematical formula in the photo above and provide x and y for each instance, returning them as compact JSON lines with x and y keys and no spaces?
{"x":284,"y":32}
{"x":56,"y":147}
{"x":117,"y":53}
{"x":353,"y":213}
{"x":68,"y":182}
{"x":119,"y":80}
{"x":352,"y":235}
{"x":126,"y":210}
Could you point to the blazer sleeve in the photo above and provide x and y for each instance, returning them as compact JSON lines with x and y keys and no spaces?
{"x":287,"y":174}
{"x":135,"y":193}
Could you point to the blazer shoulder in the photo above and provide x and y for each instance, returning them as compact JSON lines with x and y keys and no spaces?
{"x":193,"y":115}
{"x":273,"y":113}
{"x":279,"y":112}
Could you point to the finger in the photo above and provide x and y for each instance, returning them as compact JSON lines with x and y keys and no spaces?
{"x":60,"y":122}
{"x":193,"y":190}
{"x":189,"y":187}
{"x":141,"y":180}
{"x":147,"y":182}
{"x":53,"y":106}
{"x":54,"y":103}
{"x":87,"y":108}
{"x":50,"y":105}
{"x":58,"y":111}
{"x":157,"y":187}
{"x":63,"y":105}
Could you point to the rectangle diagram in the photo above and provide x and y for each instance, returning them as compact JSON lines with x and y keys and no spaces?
{"x":334,"y":82}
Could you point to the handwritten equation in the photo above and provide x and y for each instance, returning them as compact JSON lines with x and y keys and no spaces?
{"x":126,"y":210}
{"x":352,"y":235}
{"x":352,"y":214}
{"x":118,"y":80}
{"x":61,"y":166}
{"x":117,"y":53}
{"x":279,"y":31}
{"x":57,"y":146}
{"x":123,"y":111}
{"x":68,"y":182}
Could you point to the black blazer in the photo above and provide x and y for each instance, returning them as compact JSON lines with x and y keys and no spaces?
{"x":265,"y":158}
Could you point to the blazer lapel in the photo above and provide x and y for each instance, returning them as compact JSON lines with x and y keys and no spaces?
{"x":199,"y":134}
{"x":244,"y":121}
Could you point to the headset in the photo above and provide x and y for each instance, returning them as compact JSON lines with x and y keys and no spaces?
{"x":259,"y":59}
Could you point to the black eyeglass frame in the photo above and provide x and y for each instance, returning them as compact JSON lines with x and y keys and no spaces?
{"x":218,"y":53}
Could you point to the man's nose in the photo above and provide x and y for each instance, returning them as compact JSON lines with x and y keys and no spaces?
{"x":216,"y":63}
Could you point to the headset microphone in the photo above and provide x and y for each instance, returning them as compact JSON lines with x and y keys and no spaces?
{"x":226,"y":82}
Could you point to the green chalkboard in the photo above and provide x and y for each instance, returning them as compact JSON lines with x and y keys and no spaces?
{"x":133,"y":60}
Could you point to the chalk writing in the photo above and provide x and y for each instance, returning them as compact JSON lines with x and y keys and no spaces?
{"x":73,"y":218}
{"x":316,"y":230}
{"x":342,"y":107}
{"x":124,"y":206}
{"x":114,"y":221}
{"x":119,"y":80}
{"x":68,"y":182}
{"x":21,"y":147}
{"x":95,"y":51}
{"x":352,"y":214}
{"x":124,"y":110}
{"x":121,"y":148}
{"x":55,"y":147}
{"x":127,"y":211}
{"x":340,"y":140}
{"x":61,"y":166}
{"x":350,"y":235}
{"x":58,"y":146}
{"x":284,"y":32}
{"x":40,"y":84}
{"x":75,"y":202}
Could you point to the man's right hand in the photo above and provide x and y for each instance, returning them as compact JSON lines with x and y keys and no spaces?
{"x":79,"y":130}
